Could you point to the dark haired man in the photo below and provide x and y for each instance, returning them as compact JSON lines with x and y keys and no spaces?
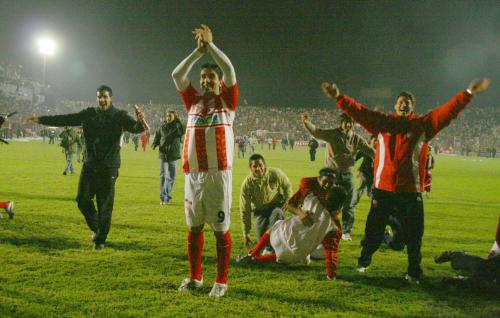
{"x":399,"y":168}
{"x":315,"y":206}
{"x":168,"y":139}
{"x":263,"y":193}
{"x":342,"y":146}
{"x":102,"y":129}
{"x":208,"y":156}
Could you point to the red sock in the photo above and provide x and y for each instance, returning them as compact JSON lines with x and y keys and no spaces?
{"x":264,"y":241}
{"x":270,"y":258}
{"x":223,"y":256}
{"x":330,"y":249}
{"x":195,"y":250}
{"x":4,"y":205}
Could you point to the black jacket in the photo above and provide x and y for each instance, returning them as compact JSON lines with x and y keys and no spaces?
{"x":102,"y":131}
{"x":168,"y":139}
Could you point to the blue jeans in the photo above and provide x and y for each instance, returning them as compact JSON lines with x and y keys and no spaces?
{"x":69,"y":163}
{"x":346,"y":180}
{"x":168,"y":170}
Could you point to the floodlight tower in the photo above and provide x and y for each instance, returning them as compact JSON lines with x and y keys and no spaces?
{"x":46,"y":47}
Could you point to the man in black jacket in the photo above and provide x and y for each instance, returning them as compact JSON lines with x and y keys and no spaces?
{"x":168,"y":139}
{"x":102,"y":129}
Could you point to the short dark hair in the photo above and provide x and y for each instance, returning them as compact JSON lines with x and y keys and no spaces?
{"x":105,"y":88}
{"x":408,"y":95}
{"x":215,"y":68}
{"x":344,"y":117}
{"x":328,"y":172}
{"x":255,"y":157}
{"x":335,"y":199}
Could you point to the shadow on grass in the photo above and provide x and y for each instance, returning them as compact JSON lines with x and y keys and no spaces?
{"x":128,"y":246}
{"x":43,"y":244}
{"x":26,"y":195}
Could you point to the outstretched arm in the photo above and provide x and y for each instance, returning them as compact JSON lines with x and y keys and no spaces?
{"x":311,"y":128}
{"x":442,"y":116}
{"x":374,"y":122}
{"x":58,"y":120}
{"x":205,"y":35}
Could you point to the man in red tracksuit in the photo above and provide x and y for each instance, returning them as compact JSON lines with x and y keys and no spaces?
{"x":399,"y":166}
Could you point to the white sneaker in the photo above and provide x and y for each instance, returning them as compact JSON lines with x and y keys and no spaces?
{"x":10,"y":210}
{"x":412,"y":280}
{"x":188,"y":283}
{"x":219,"y":290}
{"x":361,"y":269}
{"x":346,"y":237}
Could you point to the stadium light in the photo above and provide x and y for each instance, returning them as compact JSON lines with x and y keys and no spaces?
{"x":46,"y":47}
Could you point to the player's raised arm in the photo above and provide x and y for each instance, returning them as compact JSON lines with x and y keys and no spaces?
{"x":181,"y":71}
{"x":442,"y":116}
{"x":205,"y":34}
{"x":374,"y":122}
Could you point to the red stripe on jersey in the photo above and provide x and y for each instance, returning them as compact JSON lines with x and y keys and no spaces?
{"x":205,"y":126}
{"x":185,"y":163}
{"x":220,"y":142}
{"x":201,"y":149}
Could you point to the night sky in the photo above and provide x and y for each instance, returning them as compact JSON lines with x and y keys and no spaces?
{"x":282,"y":50}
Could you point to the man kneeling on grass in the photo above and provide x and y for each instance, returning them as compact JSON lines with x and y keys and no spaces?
{"x":315,"y":206}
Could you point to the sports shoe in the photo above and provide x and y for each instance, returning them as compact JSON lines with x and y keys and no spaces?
{"x":10,"y":209}
{"x":346,"y":237}
{"x":412,"y":280}
{"x":188,"y":283}
{"x":445,"y":257}
{"x":162,"y":202}
{"x":361,"y":269}
{"x":98,"y":246}
{"x":247,"y":259}
{"x":219,"y":290}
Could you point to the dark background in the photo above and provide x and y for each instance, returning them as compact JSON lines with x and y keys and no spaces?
{"x":282,"y":50}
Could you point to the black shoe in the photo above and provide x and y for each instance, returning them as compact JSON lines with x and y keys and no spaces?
{"x":98,"y":246}
{"x":64,"y":173}
{"x":445,"y":257}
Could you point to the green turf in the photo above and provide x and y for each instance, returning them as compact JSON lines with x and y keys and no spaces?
{"x":48,"y":268}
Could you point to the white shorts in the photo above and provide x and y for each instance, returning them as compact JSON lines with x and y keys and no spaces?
{"x":207,"y":199}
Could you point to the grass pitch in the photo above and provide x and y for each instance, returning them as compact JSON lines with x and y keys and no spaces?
{"x":48,"y":268}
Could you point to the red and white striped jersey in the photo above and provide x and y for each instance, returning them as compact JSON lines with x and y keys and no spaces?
{"x":209,"y":139}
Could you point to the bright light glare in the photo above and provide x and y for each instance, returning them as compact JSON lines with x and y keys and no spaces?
{"x":46,"y":46}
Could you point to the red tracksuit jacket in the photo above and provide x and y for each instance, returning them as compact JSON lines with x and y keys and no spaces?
{"x":399,"y":164}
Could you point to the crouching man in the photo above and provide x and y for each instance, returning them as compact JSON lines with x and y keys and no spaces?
{"x":263,"y":193}
{"x":315,"y":208}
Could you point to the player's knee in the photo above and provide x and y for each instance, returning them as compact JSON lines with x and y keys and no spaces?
{"x":196,"y":229}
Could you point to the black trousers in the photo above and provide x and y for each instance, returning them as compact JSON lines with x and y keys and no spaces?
{"x":476,"y":267}
{"x":405,"y":208}
{"x":312,"y":155}
{"x":98,"y":182}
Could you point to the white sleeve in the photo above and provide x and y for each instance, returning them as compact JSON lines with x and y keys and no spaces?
{"x":181,"y":71}
{"x":224,"y":63}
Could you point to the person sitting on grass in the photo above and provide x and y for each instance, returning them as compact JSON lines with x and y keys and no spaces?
{"x":315,"y":207}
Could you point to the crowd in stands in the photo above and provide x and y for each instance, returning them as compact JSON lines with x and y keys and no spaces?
{"x":476,"y":131}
